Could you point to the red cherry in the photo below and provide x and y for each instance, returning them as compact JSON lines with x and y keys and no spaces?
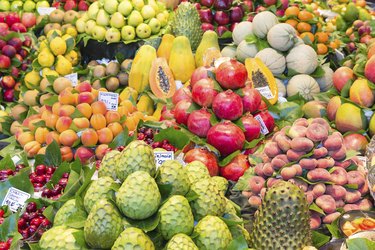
{"x":31,"y":207}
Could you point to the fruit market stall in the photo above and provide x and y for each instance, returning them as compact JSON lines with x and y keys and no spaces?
{"x":205,"y":124}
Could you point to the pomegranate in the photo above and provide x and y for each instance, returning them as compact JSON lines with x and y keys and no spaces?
{"x":183,"y":93}
{"x":231,"y":74}
{"x":204,"y":92}
{"x":267,"y":119}
{"x":199,"y":122}
{"x":206,"y":157}
{"x":227,"y":105}
{"x":252,"y":127}
{"x":262,"y":106}
{"x":166,"y":114}
{"x":180,"y":112}
{"x":226,"y":137}
{"x":251,"y":99}
{"x":199,"y":73}
{"x":236,"y":168}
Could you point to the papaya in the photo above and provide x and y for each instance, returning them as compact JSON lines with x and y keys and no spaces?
{"x":161,"y":79}
{"x":140,"y":69}
{"x":181,"y":60}
{"x":158,"y":110}
{"x":145,"y":105}
{"x":260,"y":76}
{"x":128,"y":93}
{"x":209,"y":43}
{"x":165,"y":47}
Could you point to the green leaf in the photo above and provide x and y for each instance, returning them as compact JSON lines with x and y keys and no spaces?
{"x":319,"y":239}
{"x":165,"y":190}
{"x":360,"y":244}
{"x":243,"y":183}
{"x":193,"y":106}
{"x":16,"y":239}
{"x":175,"y":137}
{"x":213,"y":119}
{"x":121,"y":139}
{"x":76,"y":221}
{"x":80,"y":239}
{"x":319,"y":72}
{"x":69,"y":44}
{"x":251,"y":39}
{"x":76,"y":114}
{"x":229,"y":158}
{"x":350,"y":154}
{"x":255,"y":142}
{"x":231,"y":220}
{"x":346,"y":88}
{"x":49,"y":213}
{"x":238,"y":243}
{"x":315,"y":208}
{"x":146,"y":225}
{"x":333,"y":228}
{"x":191,"y":195}
{"x":63,"y":168}
{"x":9,"y":226}
{"x":72,"y":186}
{"x":33,"y":246}
{"x":51,"y":79}
{"x":351,"y":186}
{"x":50,"y":101}
{"x":7,"y":163}
{"x":53,"y":154}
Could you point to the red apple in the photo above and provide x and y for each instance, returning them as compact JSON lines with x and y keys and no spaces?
{"x":9,"y":51}
{"x":355,"y":142}
{"x":15,"y":42}
{"x":83,"y":6}
{"x":12,"y":18}
{"x":206,"y":16}
{"x":70,"y":5}
{"x":221,"y":30}
{"x":28,"y":19}
{"x":2,"y":43}
{"x":231,"y":74}
{"x":2,"y":17}
{"x":18,"y":27}
{"x":235,"y":168}
{"x":221,"y":18}
{"x":207,"y":26}
{"x":4,"y":62}
{"x":341,"y":76}
{"x":8,"y":82}
{"x":15,"y":72}
{"x":206,"y":157}
{"x":4,"y":29}
{"x":8,"y":95}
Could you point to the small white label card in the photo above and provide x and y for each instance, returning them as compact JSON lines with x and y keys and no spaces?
{"x":45,"y":10}
{"x":263,"y":127}
{"x":15,"y":199}
{"x":162,"y":156}
{"x":73,"y":78}
{"x":110,"y":99}
{"x":266,"y":92}
{"x":363,"y":161}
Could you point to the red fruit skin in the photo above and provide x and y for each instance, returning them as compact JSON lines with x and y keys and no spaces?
{"x":221,"y":30}
{"x":8,"y":82}
{"x":226,"y":137}
{"x":251,"y":99}
{"x":84,"y":154}
{"x":8,"y":95}
{"x":204,"y":92}
{"x":12,"y":18}
{"x":206,"y":16}
{"x":28,"y":19}
{"x":267,"y":119}
{"x":341,"y":76}
{"x":70,"y":5}
{"x":199,"y":122}
{"x":231,"y":74}
{"x":206,"y":157}
{"x":262,"y":106}
{"x":167,"y":115}
{"x":83,"y":6}
{"x":221,"y":18}
{"x":236,"y":168}
{"x":252,"y":127}
{"x":227,"y":105}
{"x":355,"y":142}
{"x":236,"y":14}
{"x":9,"y":51}
{"x":183,"y":93}
{"x":207,"y":26}
{"x":270,"y":2}
{"x":370,"y":69}
{"x":16,"y":43}
{"x":18,"y":27}
{"x":199,"y":73}
{"x":180,"y":112}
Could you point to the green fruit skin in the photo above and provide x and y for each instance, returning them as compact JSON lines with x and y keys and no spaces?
{"x":175,"y":217}
{"x":103,"y":225}
{"x":108,"y":164}
{"x":133,"y":238}
{"x":197,"y":171}
{"x":172,"y":173}
{"x":60,"y":238}
{"x":181,"y":242}
{"x":221,"y":183}
{"x":67,"y":210}
{"x":138,"y":197}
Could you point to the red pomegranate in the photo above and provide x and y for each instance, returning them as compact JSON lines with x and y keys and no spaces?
{"x":181,"y":112}
{"x":231,"y":74}
{"x":267,"y":119}
{"x":183,"y":93}
{"x":228,"y":105}
{"x":200,"y":73}
{"x":204,"y":92}
{"x":199,"y":122}
{"x":206,"y":157}
{"x":251,"y":99}
{"x":236,"y":168}
{"x":252,"y":127}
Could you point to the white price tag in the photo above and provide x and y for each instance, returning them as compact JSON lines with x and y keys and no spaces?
{"x":45,"y":10}
{"x":281,"y":99}
{"x":162,"y":156}
{"x":266,"y":92}
{"x":15,"y":199}
{"x":16,"y":159}
{"x":362,"y":161}
{"x":73,"y":78}
{"x":263,"y":127}
{"x":178,"y":84}
{"x":110,"y":99}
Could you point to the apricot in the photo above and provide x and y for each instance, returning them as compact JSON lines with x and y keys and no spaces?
{"x":105,"y":135}
{"x":256,"y":183}
{"x":318,"y":189}
{"x":33,"y":124}
{"x":15,"y":127}
{"x":329,"y":218}
{"x":288,"y":173}
{"x":85,"y":109}
{"x":84,"y":154}
{"x":25,"y":137}
{"x":116,"y":128}
{"x":32,"y":148}
{"x":255,"y":201}
{"x":339,"y":176}
{"x":325,"y":162}
{"x":99,"y":107}
{"x":18,"y":111}
{"x":98,"y":121}
{"x":352,"y":196}
{"x":320,"y":153}
{"x":63,"y":123}
{"x":81,"y":123}
{"x":68,"y":138}
{"x":66,"y":153}
{"x":52,"y":136}
{"x":316,"y":132}
{"x":326,"y":203}
{"x":41,"y":134}
{"x":294,"y":155}
{"x":308,"y":164}
{"x":84,"y":86}
{"x":66,"y":97}
{"x":56,"y":108}
{"x":318,"y":174}
{"x":100,"y":151}
{"x":86,"y":97}
{"x":89,"y":137}
{"x":112,"y":116}
{"x":271,"y":149}
{"x":336,"y":191}
{"x":66,"y":110}
{"x":297,"y":131}
{"x":357,"y":178}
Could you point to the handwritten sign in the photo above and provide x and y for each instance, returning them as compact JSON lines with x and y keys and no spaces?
{"x":162,"y":156}
{"x":15,"y":199}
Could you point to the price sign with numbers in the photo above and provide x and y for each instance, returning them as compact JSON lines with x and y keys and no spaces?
{"x":162,"y":156}
{"x":73,"y":78}
{"x":110,"y":99}
{"x":263,"y":127}
{"x":15,"y":199}
{"x":266,"y":92}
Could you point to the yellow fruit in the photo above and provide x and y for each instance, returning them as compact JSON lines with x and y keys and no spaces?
{"x":3,"y":116}
{"x":145,"y":105}
{"x":71,"y":31}
{"x":63,"y":66}
{"x":32,"y":79}
{"x":69,"y":38}
{"x":43,"y":45}
{"x":49,"y":72}
{"x":46,"y":58}
{"x":51,"y":32}
{"x":127,"y":93}
{"x":58,"y":46}
{"x":72,"y":57}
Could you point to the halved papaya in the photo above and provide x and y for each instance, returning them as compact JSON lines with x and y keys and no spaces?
{"x":161,"y":79}
{"x":210,"y":56}
{"x":261,"y":77}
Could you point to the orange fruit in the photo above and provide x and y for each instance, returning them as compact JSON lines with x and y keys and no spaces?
{"x":321,"y":49}
{"x":292,"y":11}
{"x":303,"y":27}
{"x":292,"y":22}
{"x":309,"y":35}
{"x":304,"y":15}
{"x":322,"y":37}
{"x":333,"y":45}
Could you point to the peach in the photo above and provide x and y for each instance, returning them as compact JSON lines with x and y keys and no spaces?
{"x":258,"y":169}
{"x":41,"y":134}
{"x":277,"y":163}
{"x":56,"y":108}
{"x":320,"y":153}
{"x":15,"y":128}
{"x":84,"y":86}
{"x":86,"y":97}
{"x":336,"y":191}
{"x":313,"y":109}
{"x":326,"y":203}
{"x":271,"y":149}
{"x":89,"y":137}
{"x":81,"y":123}
{"x":364,"y":189}
{"x":256,"y":183}
{"x":288,"y":173}
{"x":294,"y":155}
{"x":63,"y":123}
{"x":298,"y":169}
{"x":370,"y":68}
{"x":27,"y":121}
{"x":18,"y":111}
{"x":316,"y":132}
{"x":85,"y":109}
{"x":352,"y":196}
{"x":98,"y":121}
{"x":356,"y":178}
{"x":42,"y":151}
{"x":318,"y":190}
{"x":105,"y":135}
{"x":308,"y":164}
{"x":364,"y":205}
{"x":332,"y":107}
{"x":350,"y":118}
{"x":338,"y":155}
{"x":361,"y":93}
{"x":255,"y":201}
{"x":66,"y":153}
{"x":68,"y":138}
{"x":297,"y":131}
{"x":99,"y":107}
{"x":318,"y":174}
{"x":325,"y":162}
{"x":302,"y":144}
{"x":66,"y":97}
{"x":299,"y":183}
{"x":116,"y":128}
{"x":100,"y":151}
{"x":272,"y":181}
{"x":356,"y":142}
{"x":66,"y":110}
{"x":329,"y":218}
{"x":322,"y":122}
{"x":32,"y":148}
{"x":25,"y":137}
{"x":301,"y":122}
{"x":52,"y":136}
{"x":33,"y":124}
{"x":315,"y":220}
{"x":283,"y":142}
{"x":339,"y":176}
{"x":309,"y":197}
{"x":340,"y":203}
{"x":112,"y":116}
{"x":341,"y":77}
{"x":247,"y":194}
{"x":268,"y":169}
{"x":84,"y":154}
{"x":350,"y":207}
{"x":333,"y":143}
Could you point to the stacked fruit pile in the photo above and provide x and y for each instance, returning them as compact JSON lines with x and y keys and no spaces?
{"x":60,"y":20}
{"x":80,"y":5}
{"x":27,"y":6}
{"x":13,"y":22}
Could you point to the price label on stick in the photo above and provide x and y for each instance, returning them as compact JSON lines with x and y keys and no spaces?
{"x":162,"y":156}
{"x":263,"y":127}
{"x":73,"y":78}
{"x":45,"y":10}
{"x":266,"y":92}
{"x":15,"y":199}
{"x":110,"y":99}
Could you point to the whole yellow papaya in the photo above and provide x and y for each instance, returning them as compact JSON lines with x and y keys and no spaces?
{"x":165,"y":47}
{"x":181,"y":60}
{"x":209,"y":41}
{"x":145,"y":105}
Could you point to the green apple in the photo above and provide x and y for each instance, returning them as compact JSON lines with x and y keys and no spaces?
{"x":110,"y":6}
{"x":80,"y":25}
{"x":89,"y":26}
{"x":29,"y":6}
{"x":41,"y":4}
{"x":155,"y":25}
{"x":4,"y":5}
{"x":117,"y":20}
{"x":138,"y":4}
{"x":148,"y":12}
{"x":128,"y":33}
{"x":93,"y":10}
{"x":125,"y":7}
{"x":135,"y":18}
{"x":102,"y":18}
{"x":16,"y":5}
{"x":113,"y":35}
{"x":98,"y":33}
{"x":162,"y":19}
{"x":143,"y":31}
